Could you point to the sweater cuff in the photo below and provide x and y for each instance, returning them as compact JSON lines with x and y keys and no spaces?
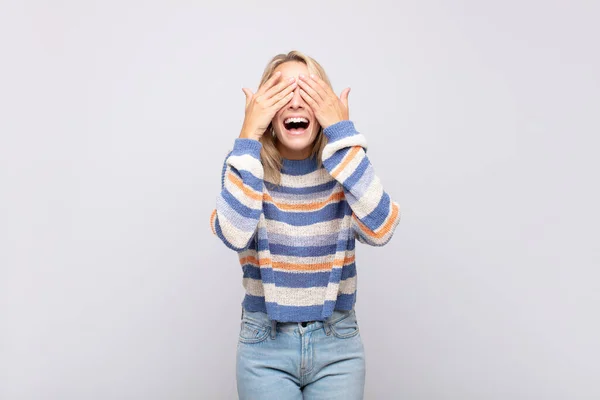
{"x":243,"y":146}
{"x":340,"y":130}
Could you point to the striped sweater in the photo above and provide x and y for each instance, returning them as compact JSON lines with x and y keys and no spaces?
{"x":296,"y":241}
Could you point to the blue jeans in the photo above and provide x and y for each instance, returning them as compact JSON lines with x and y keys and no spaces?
{"x":322,"y":360}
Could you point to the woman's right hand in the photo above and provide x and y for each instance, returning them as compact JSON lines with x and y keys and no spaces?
{"x":262,"y":106}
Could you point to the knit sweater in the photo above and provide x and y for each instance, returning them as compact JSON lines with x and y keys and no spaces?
{"x":296,"y":241}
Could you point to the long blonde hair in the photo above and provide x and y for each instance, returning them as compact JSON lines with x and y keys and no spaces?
{"x":270,"y":156}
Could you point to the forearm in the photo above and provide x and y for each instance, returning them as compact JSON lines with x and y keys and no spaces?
{"x":239,"y":205}
{"x":376,"y":215}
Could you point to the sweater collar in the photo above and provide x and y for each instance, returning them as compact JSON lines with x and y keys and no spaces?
{"x":299,"y":167}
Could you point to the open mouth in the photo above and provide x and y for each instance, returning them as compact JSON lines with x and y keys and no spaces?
{"x":296,"y":125}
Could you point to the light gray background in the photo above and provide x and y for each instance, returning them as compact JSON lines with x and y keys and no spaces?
{"x":482,"y":122}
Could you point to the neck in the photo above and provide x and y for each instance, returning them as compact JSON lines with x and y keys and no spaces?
{"x":293,"y":154}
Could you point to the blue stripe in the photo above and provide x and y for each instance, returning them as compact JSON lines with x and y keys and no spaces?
{"x":223,"y":170}
{"x":242,"y":146}
{"x":295,"y":313}
{"x":361,"y":187}
{"x":348,"y":271}
{"x":327,"y":213}
{"x":302,"y":251}
{"x":344,"y":301}
{"x":249,"y":179}
{"x":299,"y":167}
{"x":300,"y":279}
{"x":379,"y":214}
{"x":224,"y":239}
{"x":298,"y":313}
{"x":342,"y":244}
{"x":355,"y":176}
{"x":340,"y":130}
{"x":335,"y":159}
{"x":263,"y":244}
{"x":254,"y":303}
{"x":303,"y":190}
{"x":252,"y":271}
{"x":316,"y":240}
{"x":308,"y":251}
{"x":241,"y":209}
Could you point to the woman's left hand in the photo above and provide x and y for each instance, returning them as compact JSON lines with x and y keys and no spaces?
{"x":327,"y":107}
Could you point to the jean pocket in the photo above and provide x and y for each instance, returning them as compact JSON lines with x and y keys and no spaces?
{"x":346,"y":327}
{"x":251,"y":332}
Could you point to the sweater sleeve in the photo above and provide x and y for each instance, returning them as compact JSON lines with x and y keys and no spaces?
{"x":239,"y":205}
{"x":374,"y":214}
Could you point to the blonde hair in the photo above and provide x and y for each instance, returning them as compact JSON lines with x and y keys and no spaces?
{"x":270,"y":156}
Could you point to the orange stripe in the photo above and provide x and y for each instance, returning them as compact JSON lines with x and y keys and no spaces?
{"x":351,"y":154}
{"x":247,"y":191}
{"x":254,"y":260}
{"x":305,"y":207}
{"x":384,"y":229}
{"x":297,"y":267}
{"x":213,"y":215}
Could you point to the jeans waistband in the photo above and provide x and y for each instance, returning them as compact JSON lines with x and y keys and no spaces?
{"x":261,"y":318}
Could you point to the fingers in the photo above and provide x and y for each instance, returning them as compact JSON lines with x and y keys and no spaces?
{"x":287,"y":92}
{"x":310,"y":88}
{"x":344,"y":97}
{"x":320,"y":83}
{"x":248,"y":94}
{"x":283,"y":101}
{"x":309,"y":100}
{"x":282,"y":88}
{"x":269,"y":83}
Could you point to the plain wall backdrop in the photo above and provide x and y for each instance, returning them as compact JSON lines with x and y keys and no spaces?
{"x":482,"y":122}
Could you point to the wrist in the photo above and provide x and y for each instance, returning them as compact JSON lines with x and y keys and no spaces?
{"x":251,"y":133}
{"x":249,"y":136}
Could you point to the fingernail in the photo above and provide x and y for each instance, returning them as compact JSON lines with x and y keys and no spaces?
{"x":292,"y":79}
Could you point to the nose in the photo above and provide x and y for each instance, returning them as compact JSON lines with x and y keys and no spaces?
{"x":297,"y":100}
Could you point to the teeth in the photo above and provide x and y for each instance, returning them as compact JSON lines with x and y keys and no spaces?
{"x":295,"y":119}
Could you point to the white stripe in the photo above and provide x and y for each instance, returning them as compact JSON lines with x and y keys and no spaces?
{"x":370,"y":200}
{"x":240,"y":195}
{"x":317,"y":240}
{"x":236,"y":237}
{"x":348,"y":286}
{"x":350,"y":167}
{"x":304,"y":199}
{"x":360,"y":187}
{"x":354,"y":140}
{"x":299,"y":297}
{"x":255,"y":287}
{"x":320,"y":228}
{"x":247,"y":163}
{"x":315,"y":178}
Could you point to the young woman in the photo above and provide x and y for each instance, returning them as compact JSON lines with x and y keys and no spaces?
{"x":297,"y":191}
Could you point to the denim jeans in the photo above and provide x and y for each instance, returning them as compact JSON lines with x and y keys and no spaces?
{"x":322,"y":360}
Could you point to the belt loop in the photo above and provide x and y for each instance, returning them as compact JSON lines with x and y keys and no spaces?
{"x":273,"y":328}
{"x":327,"y":327}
